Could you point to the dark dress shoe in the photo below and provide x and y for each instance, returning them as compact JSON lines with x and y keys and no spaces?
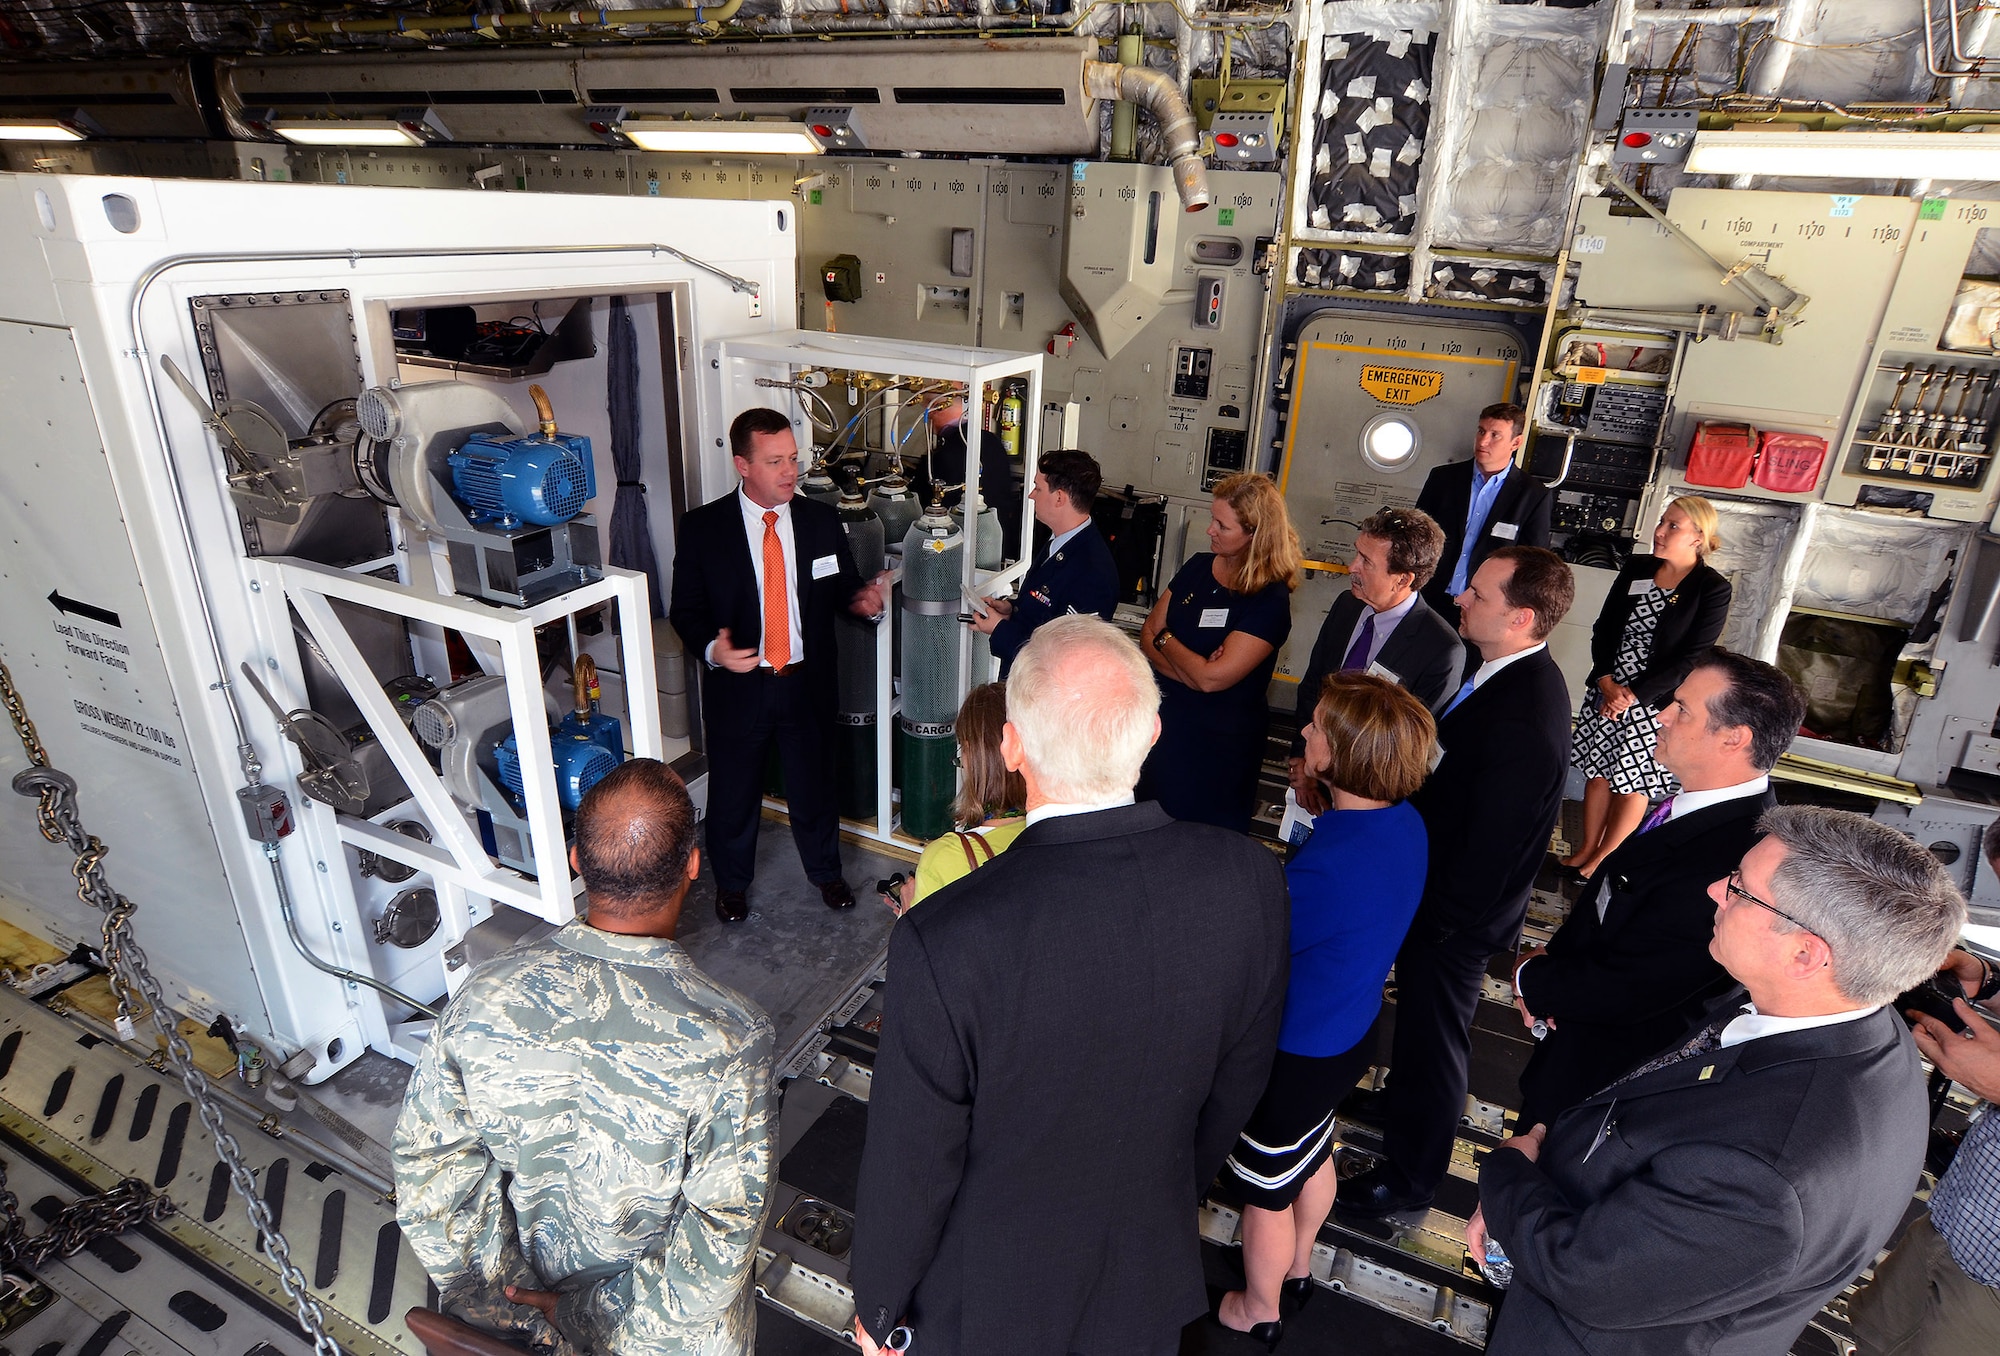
{"x":732,"y":906}
{"x":836,"y":894}
{"x":1298,"y":1289}
{"x":1371,"y":1196}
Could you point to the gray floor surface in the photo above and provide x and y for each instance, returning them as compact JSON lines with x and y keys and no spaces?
{"x":793,"y":957}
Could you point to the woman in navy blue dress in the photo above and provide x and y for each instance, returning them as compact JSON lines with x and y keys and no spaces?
{"x":1355,"y":886}
{"x":1213,"y":640}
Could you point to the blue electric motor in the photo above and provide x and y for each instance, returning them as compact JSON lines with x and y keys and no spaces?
{"x":511,"y":482}
{"x":596,"y":727}
{"x":581,"y":763}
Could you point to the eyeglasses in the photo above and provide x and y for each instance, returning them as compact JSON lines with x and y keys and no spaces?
{"x":1735,"y":889}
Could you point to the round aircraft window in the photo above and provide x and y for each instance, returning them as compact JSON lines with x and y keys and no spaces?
{"x":1389,"y":442}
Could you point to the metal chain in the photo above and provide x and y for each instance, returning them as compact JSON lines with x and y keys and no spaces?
{"x":132,"y":979}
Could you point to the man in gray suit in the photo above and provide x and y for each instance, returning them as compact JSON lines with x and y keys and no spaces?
{"x":1382,"y":625}
{"x":1714,"y":1198}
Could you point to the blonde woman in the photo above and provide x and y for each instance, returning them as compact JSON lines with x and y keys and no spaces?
{"x":1663,"y":613}
{"x":1213,"y":639}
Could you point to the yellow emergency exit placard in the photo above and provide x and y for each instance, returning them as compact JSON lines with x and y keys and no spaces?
{"x":1400,"y":385}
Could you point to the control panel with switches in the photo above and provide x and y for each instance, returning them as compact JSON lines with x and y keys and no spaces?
{"x":1191,"y":372}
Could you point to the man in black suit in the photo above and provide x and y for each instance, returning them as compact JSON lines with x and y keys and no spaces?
{"x":1488,"y":806}
{"x":1076,"y":576}
{"x":758,"y":578}
{"x":1483,"y":504}
{"x":1072,"y":1036}
{"x":1630,"y":969}
{"x":1382,"y":625}
{"x":1717,"y":1196}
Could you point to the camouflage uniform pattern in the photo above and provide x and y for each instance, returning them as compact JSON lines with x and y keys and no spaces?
{"x":591,"y":1116}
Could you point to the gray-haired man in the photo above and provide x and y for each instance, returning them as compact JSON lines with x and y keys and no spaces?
{"x":1715,"y":1197}
{"x":588,"y":1131}
{"x":1074,"y":1032}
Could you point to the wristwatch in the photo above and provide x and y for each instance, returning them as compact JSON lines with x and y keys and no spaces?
{"x":1990,"y":985}
{"x":1161,"y":638}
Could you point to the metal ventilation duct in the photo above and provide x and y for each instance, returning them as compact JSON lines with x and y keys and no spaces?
{"x":1021,"y":96}
{"x":124,"y":98}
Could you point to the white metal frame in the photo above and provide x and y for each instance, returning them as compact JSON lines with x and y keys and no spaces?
{"x":736,"y":364}
{"x":457,"y":855}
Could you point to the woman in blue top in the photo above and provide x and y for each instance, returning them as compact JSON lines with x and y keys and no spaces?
{"x":1213,"y":639}
{"x":1355,"y":886}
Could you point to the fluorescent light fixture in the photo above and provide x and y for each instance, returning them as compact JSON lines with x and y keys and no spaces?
{"x":714,"y":137}
{"x":352,"y":132}
{"x":1848,"y":155}
{"x":410,"y":127}
{"x":39,"y":129}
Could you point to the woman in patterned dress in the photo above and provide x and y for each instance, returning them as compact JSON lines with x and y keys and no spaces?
{"x":1662,"y":613}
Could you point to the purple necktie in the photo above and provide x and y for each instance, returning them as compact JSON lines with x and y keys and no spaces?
{"x":1364,"y":640}
{"x":1659,"y":815}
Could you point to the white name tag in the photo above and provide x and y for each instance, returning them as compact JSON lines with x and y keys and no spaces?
{"x":1381,"y":672}
{"x":1214,"y":616}
{"x":1437,"y":756}
{"x":1640,"y":588}
{"x":825,"y":566}
{"x":1505,"y":531}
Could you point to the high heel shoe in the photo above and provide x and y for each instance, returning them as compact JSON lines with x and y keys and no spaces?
{"x":1299,"y":1289}
{"x":1270,"y":1334}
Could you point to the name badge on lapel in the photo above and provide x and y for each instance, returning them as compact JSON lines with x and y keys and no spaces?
{"x":1640,"y":588}
{"x":825,"y":566}
{"x":1505,"y":531}
{"x":1214,"y":616}
{"x":1380,"y":672}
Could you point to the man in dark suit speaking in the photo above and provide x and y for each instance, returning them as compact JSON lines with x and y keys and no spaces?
{"x":1483,"y":505}
{"x":1630,"y":969}
{"x":1072,"y":1036}
{"x":1488,"y":806}
{"x":758,"y":578}
{"x":1382,"y":625}
{"x":1716,"y":1196}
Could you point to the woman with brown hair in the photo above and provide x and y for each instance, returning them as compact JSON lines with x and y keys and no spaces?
{"x":1213,"y":640}
{"x":1355,"y":886}
{"x":990,"y":809}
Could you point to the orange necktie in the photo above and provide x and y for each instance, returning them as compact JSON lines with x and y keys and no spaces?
{"x":777,"y":615}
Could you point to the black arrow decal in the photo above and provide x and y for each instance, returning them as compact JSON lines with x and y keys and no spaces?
{"x":74,"y":608}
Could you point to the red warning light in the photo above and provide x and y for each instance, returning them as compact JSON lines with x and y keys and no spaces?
{"x":1225,"y":138}
{"x":1637,"y":139}
{"x":820,"y":129}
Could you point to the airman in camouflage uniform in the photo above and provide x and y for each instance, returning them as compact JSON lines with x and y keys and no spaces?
{"x":591,"y":1117}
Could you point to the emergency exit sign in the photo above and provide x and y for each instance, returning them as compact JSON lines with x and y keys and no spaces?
{"x":1400,"y":385}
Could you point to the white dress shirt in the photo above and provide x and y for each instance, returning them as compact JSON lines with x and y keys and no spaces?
{"x":1385,"y":626}
{"x":1753,"y":1024}
{"x":1687,"y":802}
{"x":1057,"y":809}
{"x":753,"y":527}
{"x":1488,"y":668}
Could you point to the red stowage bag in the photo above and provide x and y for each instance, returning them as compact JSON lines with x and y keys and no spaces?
{"x":1722,"y":455}
{"x":1789,"y":462}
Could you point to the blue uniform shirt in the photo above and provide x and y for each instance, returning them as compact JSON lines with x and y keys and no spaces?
{"x":1077,"y":576}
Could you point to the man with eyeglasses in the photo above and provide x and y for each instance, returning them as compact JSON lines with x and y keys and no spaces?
{"x":1630,"y":968}
{"x":1714,"y":1198}
{"x":1938,"y":1293}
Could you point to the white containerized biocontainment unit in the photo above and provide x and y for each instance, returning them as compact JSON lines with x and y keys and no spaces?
{"x":313,"y":507}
